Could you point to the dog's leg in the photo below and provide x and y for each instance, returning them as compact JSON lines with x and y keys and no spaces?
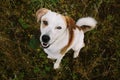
{"x":76,"y":53}
{"x":77,"y":50}
{"x":57,"y":63}
{"x":49,"y":57}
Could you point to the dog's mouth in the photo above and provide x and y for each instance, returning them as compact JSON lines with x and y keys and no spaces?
{"x":45,"y":45}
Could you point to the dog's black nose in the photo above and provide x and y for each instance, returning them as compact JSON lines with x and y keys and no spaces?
{"x":45,"y":38}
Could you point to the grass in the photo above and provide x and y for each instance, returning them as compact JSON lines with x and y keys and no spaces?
{"x":22,"y":58}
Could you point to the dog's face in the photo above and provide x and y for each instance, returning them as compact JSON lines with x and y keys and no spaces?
{"x":53,"y":26}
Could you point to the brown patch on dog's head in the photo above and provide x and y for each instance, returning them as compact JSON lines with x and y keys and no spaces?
{"x":70,"y":23}
{"x":40,"y":13}
{"x":71,"y":26}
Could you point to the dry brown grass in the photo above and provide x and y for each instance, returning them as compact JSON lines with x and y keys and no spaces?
{"x":21,"y":58}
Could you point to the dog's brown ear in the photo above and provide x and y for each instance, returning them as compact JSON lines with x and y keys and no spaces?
{"x":40,"y":13}
{"x":70,"y":23}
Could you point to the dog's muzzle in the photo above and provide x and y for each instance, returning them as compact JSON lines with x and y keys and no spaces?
{"x":45,"y":40}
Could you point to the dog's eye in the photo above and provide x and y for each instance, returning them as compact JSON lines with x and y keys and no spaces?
{"x":59,"y":27}
{"x":45,"y":22}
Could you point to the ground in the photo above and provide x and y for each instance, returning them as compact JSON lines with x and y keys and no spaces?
{"x":22,"y":58}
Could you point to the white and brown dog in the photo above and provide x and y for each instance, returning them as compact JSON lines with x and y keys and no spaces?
{"x":60,"y":33}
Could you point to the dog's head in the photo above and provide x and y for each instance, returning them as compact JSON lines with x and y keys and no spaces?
{"x":53,"y":26}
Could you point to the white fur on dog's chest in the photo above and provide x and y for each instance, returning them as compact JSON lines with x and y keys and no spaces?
{"x":52,"y":53}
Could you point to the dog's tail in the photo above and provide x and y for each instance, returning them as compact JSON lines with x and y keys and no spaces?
{"x":87,"y":23}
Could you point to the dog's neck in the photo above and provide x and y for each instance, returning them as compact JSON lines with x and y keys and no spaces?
{"x":70,"y":34}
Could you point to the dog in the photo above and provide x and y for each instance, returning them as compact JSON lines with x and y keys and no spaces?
{"x":60,"y":33}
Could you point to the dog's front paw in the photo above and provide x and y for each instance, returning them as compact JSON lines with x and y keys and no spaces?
{"x":56,"y":66}
{"x":49,"y":57}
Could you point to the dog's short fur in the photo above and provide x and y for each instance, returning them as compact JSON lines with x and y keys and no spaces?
{"x":60,"y":33}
